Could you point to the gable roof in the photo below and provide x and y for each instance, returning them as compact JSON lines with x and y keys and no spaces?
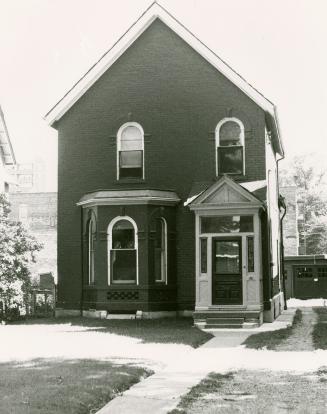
{"x":6,"y":150}
{"x":224,"y":192}
{"x":153,"y":12}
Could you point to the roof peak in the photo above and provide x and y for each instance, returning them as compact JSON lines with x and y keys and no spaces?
{"x":154,"y":11}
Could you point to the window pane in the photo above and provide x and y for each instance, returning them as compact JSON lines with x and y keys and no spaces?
{"x":159,"y":234}
{"x":131,"y":139}
{"x":160,"y":251}
{"x":322,"y":271}
{"x":230,"y":160}
{"x":227,"y":224}
{"x":230,"y":134}
{"x":304,"y":272}
{"x":123,"y":235}
{"x":131,"y":159}
{"x":203,"y":255}
{"x":227,"y":257}
{"x":158,"y":265}
{"x":123,"y":266}
{"x":250,"y":254}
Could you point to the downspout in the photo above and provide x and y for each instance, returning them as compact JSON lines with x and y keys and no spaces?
{"x":82,"y":264}
{"x":282,"y":256}
{"x":282,"y":268}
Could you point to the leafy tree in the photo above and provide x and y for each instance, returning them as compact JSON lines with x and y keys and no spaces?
{"x":312,"y":205}
{"x":17,"y":248}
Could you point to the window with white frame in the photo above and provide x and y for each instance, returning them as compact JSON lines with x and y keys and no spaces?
{"x":130,"y":151}
{"x":90,"y":248}
{"x":160,"y":251}
{"x":230,"y":147}
{"x":122,"y":251}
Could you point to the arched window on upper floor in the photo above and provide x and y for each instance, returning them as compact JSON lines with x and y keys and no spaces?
{"x":230,"y":147}
{"x":122,"y":251}
{"x":130,"y":151}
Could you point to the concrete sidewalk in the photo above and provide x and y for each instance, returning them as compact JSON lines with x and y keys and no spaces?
{"x":161,"y":392}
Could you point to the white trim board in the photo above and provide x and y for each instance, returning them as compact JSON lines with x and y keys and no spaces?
{"x":156,"y":11}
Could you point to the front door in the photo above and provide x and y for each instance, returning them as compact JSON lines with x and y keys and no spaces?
{"x":227,"y":271}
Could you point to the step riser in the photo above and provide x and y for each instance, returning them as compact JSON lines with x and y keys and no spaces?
{"x":233,"y":321}
{"x":241,"y":315}
{"x":223,"y":326}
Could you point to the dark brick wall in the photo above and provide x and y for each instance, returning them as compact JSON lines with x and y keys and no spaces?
{"x":178,"y":98}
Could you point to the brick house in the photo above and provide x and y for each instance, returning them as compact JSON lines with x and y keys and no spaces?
{"x":167,"y":187}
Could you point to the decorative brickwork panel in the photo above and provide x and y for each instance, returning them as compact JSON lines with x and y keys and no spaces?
{"x":162,"y":296}
{"x":123,"y":295}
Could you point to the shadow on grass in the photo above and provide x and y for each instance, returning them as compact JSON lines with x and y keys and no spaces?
{"x":210,"y":384}
{"x":272,"y":339}
{"x":63,"y":386}
{"x":319,"y":334}
{"x":165,"y":330}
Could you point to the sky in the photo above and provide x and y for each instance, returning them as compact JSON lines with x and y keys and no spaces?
{"x":278,"y":46}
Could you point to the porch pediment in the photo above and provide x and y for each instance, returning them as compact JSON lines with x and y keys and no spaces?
{"x":224,"y":193}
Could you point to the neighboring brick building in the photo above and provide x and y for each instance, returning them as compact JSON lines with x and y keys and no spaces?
{"x":30,"y":177}
{"x":38,"y":212}
{"x":290,"y":222}
{"x":167,"y":187}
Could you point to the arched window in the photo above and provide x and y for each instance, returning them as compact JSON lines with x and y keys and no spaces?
{"x":122,"y":251}
{"x":90,"y":250}
{"x":130,"y":151}
{"x":160,"y":251}
{"x":230,"y":147}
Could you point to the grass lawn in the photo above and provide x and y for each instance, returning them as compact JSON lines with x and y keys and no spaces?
{"x":272,"y":339}
{"x":63,"y":387}
{"x":166,"y":330}
{"x":319,"y":334}
{"x":256,"y":392}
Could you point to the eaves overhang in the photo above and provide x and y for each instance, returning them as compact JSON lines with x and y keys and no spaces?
{"x":156,"y":11}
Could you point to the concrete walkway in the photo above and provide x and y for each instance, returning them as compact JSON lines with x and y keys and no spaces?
{"x":161,"y":392}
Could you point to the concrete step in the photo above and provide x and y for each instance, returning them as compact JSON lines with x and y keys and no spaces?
{"x":225,"y":320}
{"x":223,"y":326}
{"x":226,"y":314}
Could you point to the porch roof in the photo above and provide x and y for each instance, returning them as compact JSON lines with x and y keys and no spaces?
{"x":124,"y":197}
{"x":257,"y":188}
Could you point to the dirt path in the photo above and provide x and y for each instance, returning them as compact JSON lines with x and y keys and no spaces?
{"x":301,"y":338}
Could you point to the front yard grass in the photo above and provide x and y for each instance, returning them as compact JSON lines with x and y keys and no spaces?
{"x":256,"y":392}
{"x":272,"y":339}
{"x":63,"y":387}
{"x":166,"y":330}
{"x":319,"y":334}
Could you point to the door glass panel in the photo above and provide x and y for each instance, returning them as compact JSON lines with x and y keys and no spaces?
{"x":227,"y":260}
